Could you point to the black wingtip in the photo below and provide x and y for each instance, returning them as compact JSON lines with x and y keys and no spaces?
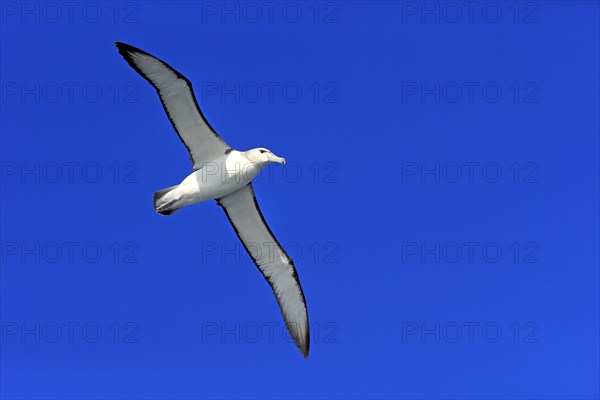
{"x":304,"y":347}
{"x":120,"y":45}
{"x":305,"y":354}
{"x":125,"y":48}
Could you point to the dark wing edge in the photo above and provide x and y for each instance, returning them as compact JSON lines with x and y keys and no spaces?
{"x":126,"y":51}
{"x":300,"y":335}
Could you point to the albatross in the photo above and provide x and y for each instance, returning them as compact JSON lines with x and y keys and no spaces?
{"x":223,"y":174}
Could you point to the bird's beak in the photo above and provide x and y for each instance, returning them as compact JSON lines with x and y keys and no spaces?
{"x":274,"y":158}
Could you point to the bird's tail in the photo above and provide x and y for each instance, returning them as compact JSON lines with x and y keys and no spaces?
{"x":162,"y":203}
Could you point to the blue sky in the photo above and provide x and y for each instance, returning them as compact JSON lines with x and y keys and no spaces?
{"x":440,"y":200}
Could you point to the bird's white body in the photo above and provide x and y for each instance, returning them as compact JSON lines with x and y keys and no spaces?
{"x":215,"y":179}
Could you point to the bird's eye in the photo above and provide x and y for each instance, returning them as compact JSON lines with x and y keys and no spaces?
{"x":263,"y":151}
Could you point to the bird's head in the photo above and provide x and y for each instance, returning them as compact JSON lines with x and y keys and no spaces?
{"x":263,"y":156}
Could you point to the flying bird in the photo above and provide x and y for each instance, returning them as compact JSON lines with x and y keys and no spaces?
{"x":225,"y":175}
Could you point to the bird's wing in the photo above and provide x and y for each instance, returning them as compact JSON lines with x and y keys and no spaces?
{"x":178,"y":100}
{"x":271,"y":259}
